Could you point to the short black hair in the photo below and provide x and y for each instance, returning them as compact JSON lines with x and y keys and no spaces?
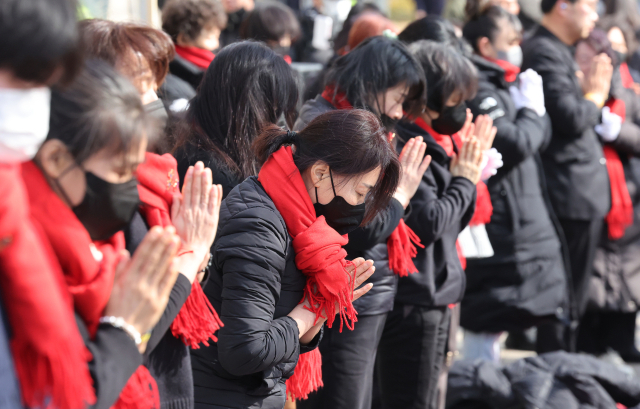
{"x":547,"y":5}
{"x":488,"y":23}
{"x":270,"y":21}
{"x":434,"y":28}
{"x":446,"y":71}
{"x":374,"y":66}
{"x":38,"y":37}
{"x":99,"y":110}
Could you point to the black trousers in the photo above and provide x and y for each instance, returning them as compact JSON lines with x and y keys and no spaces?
{"x":347,"y":365}
{"x":582,"y":238}
{"x":601,"y":330}
{"x":411,"y":355}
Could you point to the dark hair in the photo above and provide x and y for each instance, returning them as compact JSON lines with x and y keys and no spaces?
{"x":488,"y":23}
{"x":377,"y":64}
{"x":99,"y":109}
{"x":547,"y":5}
{"x":270,"y":21}
{"x":118,"y":44}
{"x":367,"y":25}
{"x":352,"y":142}
{"x":446,"y":71}
{"x":246,"y":87}
{"x":599,"y":42}
{"x":610,"y":21}
{"x":434,"y":28}
{"x":191,"y":17}
{"x":626,"y":9}
{"x":38,"y":37}
{"x":341,"y":39}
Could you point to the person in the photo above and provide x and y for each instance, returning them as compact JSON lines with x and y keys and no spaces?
{"x":573,"y":163}
{"x":82,"y":191}
{"x":416,"y":331}
{"x":368,"y":25}
{"x":523,"y":284}
{"x":274,"y":24}
{"x":259,"y":89}
{"x":609,"y":322}
{"x":623,"y":42}
{"x":342,"y":37}
{"x":38,"y":333}
{"x":279,"y":270}
{"x":395,"y":80}
{"x":195,"y":27}
{"x":434,"y":28}
{"x":237,"y":11}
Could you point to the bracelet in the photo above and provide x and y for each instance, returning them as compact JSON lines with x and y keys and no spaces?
{"x":120,"y":323}
{"x":209,"y":264}
{"x":596,"y":99}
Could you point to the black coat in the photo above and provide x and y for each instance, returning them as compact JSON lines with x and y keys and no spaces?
{"x":615,"y":284}
{"x":574,"y":165}
{"x":186,"y":71}
{"x":525,"y":279}
{"x":254,"y":284}
{"x":369,"y":242}
{"x":556,"y":380}
{"x":231,"y":32}
{"x":440,"y":210}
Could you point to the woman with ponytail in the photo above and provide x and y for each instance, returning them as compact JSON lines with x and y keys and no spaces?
{"x":524,"y":283}
{"x":278,"y":269}
{"x":382,"y":86}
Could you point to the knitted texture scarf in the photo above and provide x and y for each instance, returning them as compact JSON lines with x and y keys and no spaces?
{"x":89,"y":271}
{"x":401,"y":244}
{"x":197,"y":320}
{"x":197,"y":56}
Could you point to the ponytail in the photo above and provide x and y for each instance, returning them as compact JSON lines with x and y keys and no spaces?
{"x":271,"y":139}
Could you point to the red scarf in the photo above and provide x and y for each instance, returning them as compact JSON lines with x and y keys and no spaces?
{"x":88,"y":280}
{"x":319,"y":255}
{"x":199,"y":57}
{"x":197,"y":320}
{"x":627,"y":79}
{"x":48,"y":352}
{"x":510,"y":71}
{"x":620,"y":215}
{"x":401,"y":243}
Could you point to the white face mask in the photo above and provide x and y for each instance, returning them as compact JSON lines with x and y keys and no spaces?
{"x":24,"y":122}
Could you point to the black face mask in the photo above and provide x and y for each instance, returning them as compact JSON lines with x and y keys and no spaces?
{"x":340,"y":215}
{"x":282,"y":51}
{"x":451,"y":120}
{"x":622,"y":57}
{"x":107,"y":207}
{"x":389,"y":123}
{"x":157,"y":110}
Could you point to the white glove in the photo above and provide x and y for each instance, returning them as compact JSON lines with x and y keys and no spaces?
{"x":530,"y":93}
{"x":610,"y":127}
{"x":491,"y":162}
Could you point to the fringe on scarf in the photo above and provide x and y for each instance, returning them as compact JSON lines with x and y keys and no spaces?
{"x":620,"y":215}
{"x":59,"y":374}
{"x":402,"y":249}
{"x":140,"y":392}
{"x":197,"y":320}
{"x":307,"y":376}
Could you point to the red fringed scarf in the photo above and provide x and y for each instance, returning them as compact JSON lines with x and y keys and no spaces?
{"x":197,"y":56}
{"x":88,"y":280}
{"x":197,"y":320}
{"x":48,"y":352}
{"x":402,"y":243}
{"x":319,"y":255}
{"x":510,"y":71}
{"x":620,"y":215}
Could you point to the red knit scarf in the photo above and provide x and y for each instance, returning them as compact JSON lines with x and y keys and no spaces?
{"x":620,"y":215}
{"x":197,"y":320}
{"x":48,"y":352}
{"x":319,"y":255}
{"x":510,"y":71}
{"x":197,"y":56}
{"x":88,"y":280}
{"x":402,"y":243}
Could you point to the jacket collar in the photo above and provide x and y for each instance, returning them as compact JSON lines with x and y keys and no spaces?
{"x":434,"y":149}
{"x":489,"y":71}
{"x":544,"y":32}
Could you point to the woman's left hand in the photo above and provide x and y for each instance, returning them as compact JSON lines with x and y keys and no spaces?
{"x":195,"y":214}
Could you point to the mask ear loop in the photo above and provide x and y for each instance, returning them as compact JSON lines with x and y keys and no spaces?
{"x":61,"y":189}
{"x":332,"y":185}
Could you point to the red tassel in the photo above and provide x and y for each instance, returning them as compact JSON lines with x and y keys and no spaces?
{"x":197,"y":321}
{"x":402,"y":249}
{"x":620,"y":215}
{"x":140,"y":392}
{"x":307,"y":376}
{"x":60,"y":375}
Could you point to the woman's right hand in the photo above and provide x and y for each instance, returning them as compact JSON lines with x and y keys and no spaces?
{"x":143,"y":282}
{"x":414,"y":164}
{"x":467,"y":163}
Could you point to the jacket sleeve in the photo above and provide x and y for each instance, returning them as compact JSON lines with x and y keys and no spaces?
{"x":570,"y":113}
{"x":250,"y":252}
{"x":516,"y":140}
{"x":115,"y":359}
{"x":628,"y":141}
{"x":378,"y":231}
{"x":433,"y":215}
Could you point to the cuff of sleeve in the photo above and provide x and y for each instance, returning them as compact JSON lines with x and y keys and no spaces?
{"x":314,"y":342}
{"x":127,"y":348}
